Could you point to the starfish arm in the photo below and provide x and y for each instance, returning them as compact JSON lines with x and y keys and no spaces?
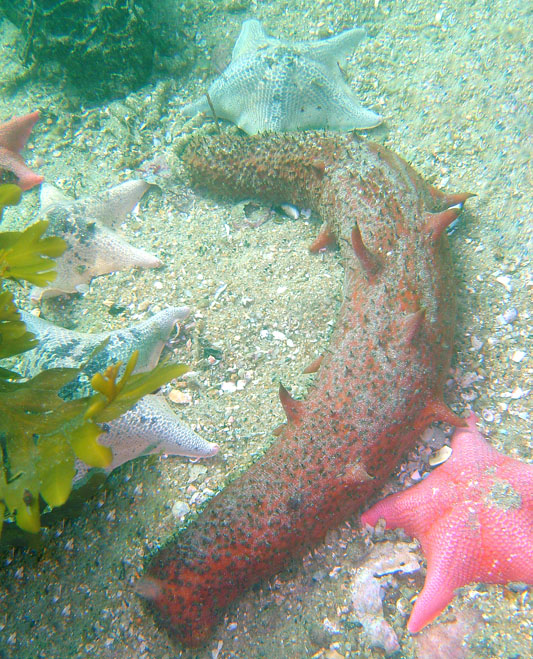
{"x":193,"y":108}
{"x":12,"y":162}
{"x":335,"y":49}
{"x":62,"y":348}
{"x":113,"y":253}
{"x":74,"y":347}
{"x":50,"y":196}
{"x":413,"y":510}
{"x":111,"y":207}
{"x":351,"y":115}
{"x":453,"y":551}
{"x":431,"y":601}
{"x":251,"y":37}
{"x":15,"y":133}
{"x":148,"y":337}
{"x":101,"y":253}
{"x":152,"y":427}
{"x":242,"y":89}
{"x":328,"y":101}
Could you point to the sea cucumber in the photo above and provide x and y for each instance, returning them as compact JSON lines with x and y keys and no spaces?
{"x":377,"y":387}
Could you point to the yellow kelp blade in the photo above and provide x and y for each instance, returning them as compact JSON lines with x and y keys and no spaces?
{"x":27,"y":255}
{"x":83,"y":441}
{"x":10,"y":195}
{"x":55,"y":470}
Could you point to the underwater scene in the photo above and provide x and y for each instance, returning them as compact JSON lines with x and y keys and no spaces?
{"x":265,"y":329}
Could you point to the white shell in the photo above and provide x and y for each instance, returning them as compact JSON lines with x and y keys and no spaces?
{"x":440,"y":456}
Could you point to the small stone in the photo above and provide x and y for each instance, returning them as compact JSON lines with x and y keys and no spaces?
{"x":517,"y":393}
{"x":506,"y":282}
{"x":279,"y":336}
{"x":507,"y":317}
{"x":195,"y":471}
{"x":143,"y":306}
{"x":476,"y":343}
{"x":180,"y":397}
{"x":180,"y":510}
{"x":518,"y":356}
{"x":228,"y":387}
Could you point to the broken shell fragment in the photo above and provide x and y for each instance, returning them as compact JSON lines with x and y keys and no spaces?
{"x":440,"y":456}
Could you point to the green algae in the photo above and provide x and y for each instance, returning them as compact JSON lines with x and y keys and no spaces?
{"x":41,"y":435}
{"x":105,"y":49}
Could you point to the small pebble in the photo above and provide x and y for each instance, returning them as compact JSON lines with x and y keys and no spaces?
{"x":180,"y":510}
{"x":507,"y":317}
{"x":180,"y":397}
{"x":518,"y":356}
{"x":476,"y":343}
{"x":506,"y":282}
{"x":143,"y":306}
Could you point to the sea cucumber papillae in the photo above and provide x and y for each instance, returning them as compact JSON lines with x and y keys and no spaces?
{"x":377,"y":387}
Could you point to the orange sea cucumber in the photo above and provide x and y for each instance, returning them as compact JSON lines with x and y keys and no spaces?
{"x":377,"y":387}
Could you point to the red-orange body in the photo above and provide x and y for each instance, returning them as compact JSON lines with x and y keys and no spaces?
{"x":377,"y":387}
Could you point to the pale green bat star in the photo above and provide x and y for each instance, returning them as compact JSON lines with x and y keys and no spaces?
{"x":278,"y":85}
{"x":89,"y":228}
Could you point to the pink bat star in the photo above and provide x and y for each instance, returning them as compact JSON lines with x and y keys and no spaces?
{"x":13,"y":136}
{"x":473,"y":517}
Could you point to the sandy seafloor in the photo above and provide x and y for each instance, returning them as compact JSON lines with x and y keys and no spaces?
{"x":451,"y":79}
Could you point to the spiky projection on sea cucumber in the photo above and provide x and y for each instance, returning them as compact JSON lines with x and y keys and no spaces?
{"x":377,"y":387}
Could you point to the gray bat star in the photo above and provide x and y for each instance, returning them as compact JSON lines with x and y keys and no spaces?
{"x":89,"y":227}
{"x":150,"y":426}
{"x":278,"y":85}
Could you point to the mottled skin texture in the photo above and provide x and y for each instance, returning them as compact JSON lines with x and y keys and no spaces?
{"x":378,"y":386}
